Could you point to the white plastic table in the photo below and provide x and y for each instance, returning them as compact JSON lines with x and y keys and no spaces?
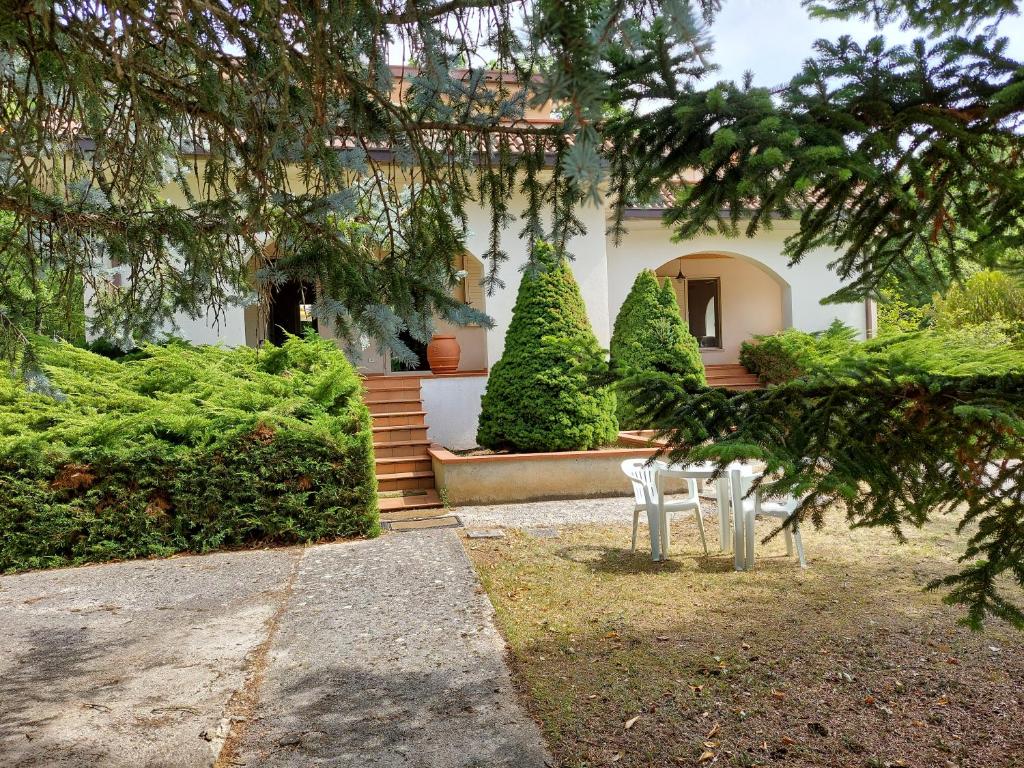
{"x":728,"y":486}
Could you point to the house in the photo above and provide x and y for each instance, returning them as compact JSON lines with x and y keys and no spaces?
{"x":729,"y":290}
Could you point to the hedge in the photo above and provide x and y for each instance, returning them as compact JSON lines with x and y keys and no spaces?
{"x":539,"y":395}
{"x":182,"y":449}
{"x":649,"y":336}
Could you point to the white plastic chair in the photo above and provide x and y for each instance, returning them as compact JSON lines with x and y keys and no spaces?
{"x":752,"y":507}
{"x":647,"y":495}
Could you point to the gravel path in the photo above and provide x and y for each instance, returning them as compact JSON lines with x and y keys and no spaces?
{"x":612,"y":511}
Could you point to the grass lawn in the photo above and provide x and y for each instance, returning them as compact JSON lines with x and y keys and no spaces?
{"x":631,"y":663}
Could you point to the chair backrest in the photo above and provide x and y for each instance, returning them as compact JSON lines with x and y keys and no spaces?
{"x":644,"y":479}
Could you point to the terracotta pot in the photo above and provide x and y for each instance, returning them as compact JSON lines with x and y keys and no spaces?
{"x":443,"y":354}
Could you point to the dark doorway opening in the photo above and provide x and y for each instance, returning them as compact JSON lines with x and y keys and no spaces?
{"x":704,"y":311}
{"x":291,"y":311}
{"x":418,"y":348}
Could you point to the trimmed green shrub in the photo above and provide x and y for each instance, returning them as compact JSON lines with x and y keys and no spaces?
{"x":540,"y":395}
{"x":985,"y":297}
{"x":650,"y":336}
{"x":790,"y":354}
{"x":183,"y":449}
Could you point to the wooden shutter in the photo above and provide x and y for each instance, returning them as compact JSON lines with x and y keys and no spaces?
{"x":474,"y":274}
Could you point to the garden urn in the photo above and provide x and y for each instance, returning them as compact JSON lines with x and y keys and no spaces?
{"x":443,"y":354}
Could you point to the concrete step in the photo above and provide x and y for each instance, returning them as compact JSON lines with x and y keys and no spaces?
{"x":381,"y":407}
{"x":444,"y":521}
{"x":409,"y":506}
{"x":405,"y":420}
{"x":407,"y":515}
{"x":395,"y":448}
{"x":405,"y":481}
{"x":390,"y":466}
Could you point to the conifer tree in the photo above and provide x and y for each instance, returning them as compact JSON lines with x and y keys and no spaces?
{"x":539,"y":395}
{"x":154,"y":149}
{"x":650,"y":336}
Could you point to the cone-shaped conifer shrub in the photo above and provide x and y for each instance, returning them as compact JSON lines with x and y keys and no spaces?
{"x":650,"y":336}
{"x":539,"y":396}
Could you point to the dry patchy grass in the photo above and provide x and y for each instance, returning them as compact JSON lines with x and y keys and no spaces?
{"x":631,"y":663}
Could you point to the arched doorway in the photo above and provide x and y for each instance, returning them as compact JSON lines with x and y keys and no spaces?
{"x":725,"y":300}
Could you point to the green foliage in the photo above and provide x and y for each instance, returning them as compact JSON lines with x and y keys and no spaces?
{"x":791,"y":354}
{"x":898,"y":316}
{"x":182,"y":449}
{"x":983,"y":349}
{"x":985,"y":297}
{"x":539,"y":396}
{"x":650,"y":335}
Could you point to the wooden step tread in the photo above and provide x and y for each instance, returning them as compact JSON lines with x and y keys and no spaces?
{"x":395,"y":413}
{"x":389,"y":401}
{"x":404,"y":475}
{"x":399,"y":443}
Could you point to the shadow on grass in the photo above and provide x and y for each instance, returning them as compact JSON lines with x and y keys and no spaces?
{"x":618,"y":560}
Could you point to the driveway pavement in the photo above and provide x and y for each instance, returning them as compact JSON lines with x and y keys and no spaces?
{"x":372,"y":653}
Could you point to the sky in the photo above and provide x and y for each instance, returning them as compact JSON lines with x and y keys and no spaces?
{"x":772,"y":38}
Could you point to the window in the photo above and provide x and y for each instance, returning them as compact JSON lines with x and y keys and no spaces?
{"x":704,"y":311}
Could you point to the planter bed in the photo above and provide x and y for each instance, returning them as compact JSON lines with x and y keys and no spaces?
{"x":508,"y":478}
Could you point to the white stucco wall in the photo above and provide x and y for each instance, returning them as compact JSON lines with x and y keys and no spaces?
{"x":229,"y":330}
{"x":760,"y":292}
{"x":590,"y":267}
{"x":452,"y":405}
{"x":648,"y":245}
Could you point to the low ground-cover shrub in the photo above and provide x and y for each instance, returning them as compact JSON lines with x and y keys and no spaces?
{"x":791,"y":354}
{"x":983,"y":349}
{"x":183,"y":449}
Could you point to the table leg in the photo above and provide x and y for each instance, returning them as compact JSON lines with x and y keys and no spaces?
{"x":666,"y":534}
{"x":722,"y":491}
{"x":654,"y":529}
{"x":738,"y":526}
{"x":749,"y":531}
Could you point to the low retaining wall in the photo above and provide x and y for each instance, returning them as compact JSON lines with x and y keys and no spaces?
{"x":518,"y":477}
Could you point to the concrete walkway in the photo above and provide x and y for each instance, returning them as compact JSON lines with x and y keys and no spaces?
{"x":375,"y":653}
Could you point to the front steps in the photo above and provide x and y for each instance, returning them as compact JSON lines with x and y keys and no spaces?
{"x":732,"y":376}
{"x":407,"y":497}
